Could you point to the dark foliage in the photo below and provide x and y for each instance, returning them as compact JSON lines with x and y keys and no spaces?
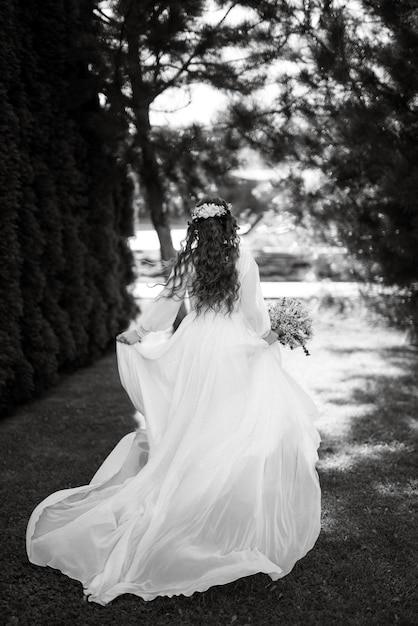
{"x":195,"y":159}
{"x":66,"y":208}
{"x":153,"y":48}
{"x":347,"y":112}
{"x":365,"y":133}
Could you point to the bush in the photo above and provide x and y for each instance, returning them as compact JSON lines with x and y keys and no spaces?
{"x":398,"y":307}
{"x":67,"y":208}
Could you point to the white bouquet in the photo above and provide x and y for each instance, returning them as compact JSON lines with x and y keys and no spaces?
{"x":291,"y":321}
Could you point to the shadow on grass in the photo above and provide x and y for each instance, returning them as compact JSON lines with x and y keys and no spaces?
{"x":369,"y":480}
{"x":361,"y":570}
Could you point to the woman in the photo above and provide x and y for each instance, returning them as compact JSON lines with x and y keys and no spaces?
{"x":222,"y":483}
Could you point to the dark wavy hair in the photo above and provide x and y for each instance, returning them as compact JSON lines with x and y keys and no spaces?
{"x":208,"y":256}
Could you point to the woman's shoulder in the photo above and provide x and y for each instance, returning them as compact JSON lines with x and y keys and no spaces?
{"x":245,"y":260}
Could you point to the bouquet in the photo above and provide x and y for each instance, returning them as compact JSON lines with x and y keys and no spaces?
{"x":290,"y":319}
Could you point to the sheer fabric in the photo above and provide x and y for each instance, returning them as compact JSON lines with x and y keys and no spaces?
{"x":222,"y":482}
{"x":162,"y":314}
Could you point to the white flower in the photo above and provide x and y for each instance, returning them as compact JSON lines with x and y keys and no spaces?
{"x":208,"y":210}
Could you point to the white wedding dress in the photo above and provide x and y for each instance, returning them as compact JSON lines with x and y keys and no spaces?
{"x":221,"y":484}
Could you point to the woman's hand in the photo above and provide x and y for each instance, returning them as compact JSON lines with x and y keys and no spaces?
{"x":129,"y":337}
{"x":271,"y":337}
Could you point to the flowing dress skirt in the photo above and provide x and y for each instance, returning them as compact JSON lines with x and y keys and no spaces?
{"x":222,"y":483}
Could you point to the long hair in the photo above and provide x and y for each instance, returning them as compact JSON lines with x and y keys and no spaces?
{"x":208,"y":257}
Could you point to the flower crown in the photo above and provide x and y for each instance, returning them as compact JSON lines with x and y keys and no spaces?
{"x":209,"y":209}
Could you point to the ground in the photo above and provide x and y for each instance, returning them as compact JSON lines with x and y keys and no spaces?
{"x":362,"y":569}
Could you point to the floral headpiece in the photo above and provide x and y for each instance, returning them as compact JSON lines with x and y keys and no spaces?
{"x":209,"y":209}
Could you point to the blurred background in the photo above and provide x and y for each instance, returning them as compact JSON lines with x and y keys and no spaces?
{"x":117,"y":116}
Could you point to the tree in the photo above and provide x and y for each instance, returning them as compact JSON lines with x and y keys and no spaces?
{"x":152,"y":47}
{"x":194,"y":159}
{"x":347,"y":111}
{"x":66,"y":209}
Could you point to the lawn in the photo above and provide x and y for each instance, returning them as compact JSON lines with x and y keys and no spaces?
{"x":361,"y":571}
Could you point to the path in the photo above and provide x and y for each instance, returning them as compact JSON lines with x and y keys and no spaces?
{"x":361,"y":571}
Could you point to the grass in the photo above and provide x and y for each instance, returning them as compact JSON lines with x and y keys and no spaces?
{"x":363,"y":567}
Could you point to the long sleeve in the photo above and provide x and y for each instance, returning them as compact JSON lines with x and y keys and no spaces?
{"x":252,"y":302}
{"x":163,"y":311}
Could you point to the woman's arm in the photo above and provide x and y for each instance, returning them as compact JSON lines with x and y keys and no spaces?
{"x":253,"y":305}
{"x":159,"y":316}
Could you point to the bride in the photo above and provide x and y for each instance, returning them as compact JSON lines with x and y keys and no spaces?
{"x":221,"y":483}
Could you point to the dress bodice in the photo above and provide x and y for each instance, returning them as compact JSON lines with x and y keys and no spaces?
{"x":162,"y":313}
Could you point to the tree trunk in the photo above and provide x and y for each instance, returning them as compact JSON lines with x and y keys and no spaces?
{"x":148,"y":167}
{"x":147,"y":163}
{"x":153,"y":188}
